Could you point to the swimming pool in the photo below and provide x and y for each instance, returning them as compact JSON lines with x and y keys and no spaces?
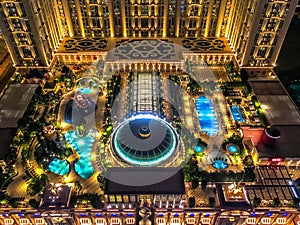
{"x":198,"y":148}
{"x":84,"y":90}
{"x":58,"y":166}
{"x":207,"y":117}
{"x":237,"y":113}
{"x":83,"y":146}
{"x":219,"y":164}
{"x":232,"y":148}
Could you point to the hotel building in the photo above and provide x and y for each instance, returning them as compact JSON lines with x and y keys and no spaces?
{"x":254,"y":29}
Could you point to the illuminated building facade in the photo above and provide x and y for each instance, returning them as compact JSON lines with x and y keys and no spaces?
{"x":31,"y":31}
{"x":255,"y":28}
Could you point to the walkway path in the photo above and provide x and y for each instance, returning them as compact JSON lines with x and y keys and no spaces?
{"x":18,"y":187}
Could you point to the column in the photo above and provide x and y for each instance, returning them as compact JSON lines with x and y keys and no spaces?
{"x":79,"y":15}
{"x":210,"y":7}
{"x":221,"y":17}
{"x":165,"y":22}
{"x":68,"y":17}
{"x":111,"y":18}
{"x":123,"y":17}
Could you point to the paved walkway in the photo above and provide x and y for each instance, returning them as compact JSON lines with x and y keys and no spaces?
{"x":18,"y":187}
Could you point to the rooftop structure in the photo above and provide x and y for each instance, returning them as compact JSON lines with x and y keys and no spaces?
{"x":233,"y":196}
{"x":14,"y":102}
{"x":144,"y":181}
{"x":56,"y":196}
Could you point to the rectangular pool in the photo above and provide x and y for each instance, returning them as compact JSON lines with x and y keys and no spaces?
{"x":236,"y":113}
{"x":207,"y":116}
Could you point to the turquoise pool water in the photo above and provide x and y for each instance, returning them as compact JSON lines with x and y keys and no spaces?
{"x":232,"y":148}
{"x":219,"y":164}
{"x":85,"y":91}
{"x":58,"y":166}
{"x":236,"y":113}
{"x":83,"y":146}
{"x":198,"y":148}
{"x":207,"y":117}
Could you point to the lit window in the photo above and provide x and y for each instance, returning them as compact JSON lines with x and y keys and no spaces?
{"x":24,"y":221}
{"x":130,"y":221}
{"x":205,"y":220}
{"x":85,"y":221}
{"x":8,"y":221}
{"x":266,"y":220}
{"x":160,"y":221}
{"x":281,"y":220}
{"x":100,"y":221}
{"x":190,"y":220}
{"x":251,"y":221}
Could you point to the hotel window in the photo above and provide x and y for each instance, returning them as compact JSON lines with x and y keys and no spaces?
{"x":136,"y":22}
{"x":281,"y":24}
{"x":27,"y":52}
{"x":22,"y":38}
{"x":160,"y":10}
{"x":119,"y":198}
{"x":266,"y":39}
{"x":85,"y":221}
{"x":132,"y":198}
{"x":130,"y":221}
{"x":191,"y":221}
{"x":127,"y":10}
{"x":281,"y":220}
{"x":251,"y":221}
{"x":205,"y":220}
{"x":94,"y":11}
{"x":11,"y":9}
{"x":111,"y":198}
{"x":17,"y":24}
{"x":105,"y":10}
{"x":276,"y":8}
{"x":136,"y":10}
{"x":271,"y":24}
{"x":144,"y":10}
{"x":115,"y":221}
{"x":192,"y":23}
{"x":194,"y":11}
{"x":24,"y":221}
{"x":171,"y":23}
{"x":106,"y":23}
{"x":152,"y":22}
{"x":161,"y":221}
{"x":144,"y":23}
{"x":265,"y":220}
{"x":261,"y":53}
{"x":152,"y":10}
{"x":23,"y":10}
{"x":128,"y":23}
{"x":27,"y":25}
{"x":8,"y":221}
{"x":96,"y":22}
{"x":125,"y":198}
{"x":118,"y":21}
{"x":39,"y":221}
{"x":100,"y":221}
{"x":175,"y":221}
